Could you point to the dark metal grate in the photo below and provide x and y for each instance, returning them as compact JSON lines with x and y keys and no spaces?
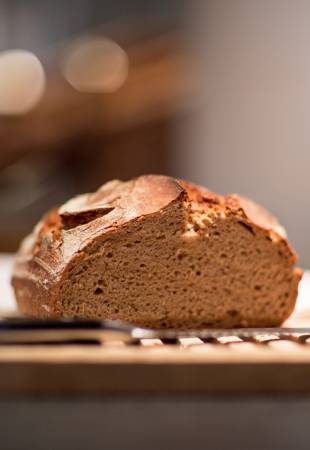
{"x":302,"y":339}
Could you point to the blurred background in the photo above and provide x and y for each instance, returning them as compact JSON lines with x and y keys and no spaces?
{"x":214,"y":91}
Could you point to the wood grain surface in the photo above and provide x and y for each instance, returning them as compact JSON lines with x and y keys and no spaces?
{"x":188,"y":367}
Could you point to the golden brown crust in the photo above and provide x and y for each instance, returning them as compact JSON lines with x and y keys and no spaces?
{"x":64,"y":234}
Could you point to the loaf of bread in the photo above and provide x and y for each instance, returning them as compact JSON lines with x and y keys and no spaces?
{"x":158,"y":252}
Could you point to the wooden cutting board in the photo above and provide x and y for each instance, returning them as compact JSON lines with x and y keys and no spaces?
{"x":188,"y":366}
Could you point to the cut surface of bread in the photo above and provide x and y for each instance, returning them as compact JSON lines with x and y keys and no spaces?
{"x":158,"y":252}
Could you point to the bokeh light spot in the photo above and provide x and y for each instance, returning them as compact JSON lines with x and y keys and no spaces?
{"x":22,"y":82}
{"x":95,"y":65}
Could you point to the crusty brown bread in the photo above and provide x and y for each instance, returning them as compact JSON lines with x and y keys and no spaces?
{"x":158,"y":252}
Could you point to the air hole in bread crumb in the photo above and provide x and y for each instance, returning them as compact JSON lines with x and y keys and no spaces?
{"x":223,"y":255}
{"x":181,"y":255}
{"x":116,"y":310}
{"x":98,"y":291}
{"x":142,"y":265}
{"x":257,"y":287}
{"x":198,"y":273}
{"x":109,"y":255}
